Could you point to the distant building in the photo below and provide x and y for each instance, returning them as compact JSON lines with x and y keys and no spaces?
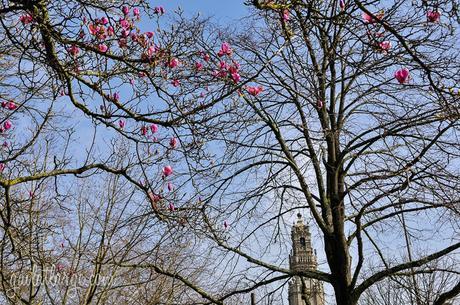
{"x":303,"y":291}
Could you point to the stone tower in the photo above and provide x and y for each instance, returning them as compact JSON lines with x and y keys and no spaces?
{"x":303,"y":258}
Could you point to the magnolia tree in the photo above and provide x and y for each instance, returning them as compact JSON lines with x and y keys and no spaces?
{"x":158,"y":156}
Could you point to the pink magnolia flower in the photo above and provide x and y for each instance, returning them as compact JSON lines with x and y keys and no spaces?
{"x":319,"y":104}
{"x":136,"y":12}
{"x":198,"y":66}
{"x":104,"y":20}
{"x":154,"y":128}
{"x":110,"y":31}
{"x":225,"y":49}
{"x":159,"y":10}
{"x":125,"y":33}
{"x":26,"y":18}
{"x":73,"y":50}
{"x":2,"y":167}
{"x":121,"y":124}
{"x":402,"y":75}
{"x":11,"y":105}
{"x":7,"y":125}
{"x":154,"y":197}
{"x":116,"y":96}
{"x":60,"y":267}
{"x":102,"y":48}
{"x":170,"y":187}
{"x":151,"y":50}
{"x":286,"y":15}
{"x":385,"y":46}
{"x":174,"y":62}
{"x":175,"y":82}
{"x":122,"y":43}
{"x":149,"y":34}
{"x":223,"y":65}
{"x":124,"y":23}
{"x":433,"y":16}
{"x":369,"y":19}
{"x":167,"y":171}
{"x":236,"y":77}
{"x":173,"y":142}
{"x":342,"y":5}
{"x":125,"y":10}
{"x":171,"y":207}
{"x":254,"y":91}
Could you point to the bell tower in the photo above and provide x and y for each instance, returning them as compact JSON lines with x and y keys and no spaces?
{"x":303,"y":291}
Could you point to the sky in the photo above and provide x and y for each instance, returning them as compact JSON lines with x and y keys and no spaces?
{"x":223,"y":10}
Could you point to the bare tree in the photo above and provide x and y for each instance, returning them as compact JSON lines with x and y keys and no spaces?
{"x":347,"y":109}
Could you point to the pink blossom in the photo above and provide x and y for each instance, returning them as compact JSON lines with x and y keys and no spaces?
{"x":121,"y":124}
{"x":122,"y":43}
{"x":116,"y":96}
{"x":198,"y":66}
{"x":402,"y":75}
{"x":254,"y":91}
{"x":206,"y":57}
{"x":7,"y":125}
{"x":93,"y":29}
{"x":342,"y":5}
{"x":175,"y":82}
{"x":151,"y":50}
{"x":73,"y":50}
{"x":4,"y":104}
{"x":170,"y":187}
{"x":173,"y":142}
{"x":159,"y":10}
{"x":385,"y":46}
{"x":154,"y":128}
{"x":11,"y":105}
{"x":225,"y":49}
{"x":167,"y":171}
{"x":110,"y":31}
{"x":174,"y":62}
{"x":154,"y":198}
{"x":136,"y":12}
{"x":26,"y":18}
{"x":171,"y":207}
{"x":369,"y":19}
{"x":236,"y":77}
{"x":124,"y":23}
{"x":125,"y":10}
{"x":223,"y":65}
{"x":104,"y":20}
{"x":319,"y":104}
{"x":144,"y":130}
{"x":286,"y":15}
{"x":433,"y":16}
{"x":149,"y":34}
{"x":102,"y":48}
{"x":125,"y":33}
{"x":2,"y":167}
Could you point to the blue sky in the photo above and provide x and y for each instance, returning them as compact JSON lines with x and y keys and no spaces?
{"x":222,"y":10}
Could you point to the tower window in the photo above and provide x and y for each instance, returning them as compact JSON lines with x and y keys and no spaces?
{"x":302,"y":242}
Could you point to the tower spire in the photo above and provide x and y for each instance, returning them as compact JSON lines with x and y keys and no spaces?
{"x":303,"y":258}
